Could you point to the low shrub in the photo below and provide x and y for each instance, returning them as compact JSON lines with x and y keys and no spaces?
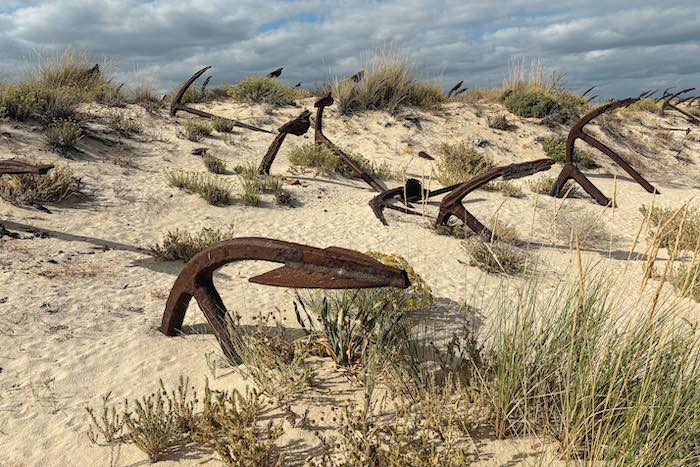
{"x":555,"y":148}
{"x":181,"y":245}
{"x":544,"y":185}
{"x":529,"y":102}
{"x":671,"y":225}
{"x":500,"y":123}
{"x":214,"y":164}
{"x":55,"y":186}
{"x":123,"y":125}
{"x":321,"y":158}
{"x":496,"y":257}
{"x":222,"y":125}
{"x":215,"y":192}
{"x":63,"y":136}
{"x":459,"y":162}
{"x":195,"y":130}
{"x":262,"y":90}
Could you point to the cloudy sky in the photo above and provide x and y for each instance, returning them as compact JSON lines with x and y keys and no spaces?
{"x":621,"y":46}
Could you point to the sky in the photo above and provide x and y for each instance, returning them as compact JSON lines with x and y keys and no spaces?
{"x":623,"y":46}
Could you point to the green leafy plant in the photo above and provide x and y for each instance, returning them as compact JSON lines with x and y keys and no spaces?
{"x":181,"y":245}
{"x":262,"y":90}
{"x":458,"y":163}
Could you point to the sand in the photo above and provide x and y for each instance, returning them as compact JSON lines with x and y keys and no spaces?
{"x":79,"y":319}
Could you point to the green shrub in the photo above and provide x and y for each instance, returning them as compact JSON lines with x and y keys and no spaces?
{"x":458,"y":163}
{"x":18,"y":102}
{"x":214,"y":164}
{"x":348,"y":324}
{"x":255,"y":185}
{"x":195,"y":130}
{"x":499,"y":123}
{"x":528,"y":102}
{"x":213,"y":191}
{"x":55,"y":186}
{"x":644,"y":105}
{"x":544,"y":185}
{"x":321,"y":158}
{"x":262,"y":90}
{"x":671,"y":225}
{"x":496,"y":257}
{"x":555,"y":148}
{"x":507,"y":188}
{"x":63,"y":136}
{"x":222,"y":125}
{"x":388,"y":85}
{"x":181,"y":245}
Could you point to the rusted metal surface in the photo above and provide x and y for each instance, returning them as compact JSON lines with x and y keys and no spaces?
{"x":571,"y":171}
{"x":203,"y":89}
{"x":304,"y":267}
{"x":321,"y":139}
{"x":15,"y":167}
{"x":669,"y":105}
{"x":588,"y":90}
{"x":451,"y":204}
{"x":297,"y":127}
{"x":455,"y":88}
{"x":298,"y":85}
{"x":176,"y":105}
{"x":275,"y":73}
{"x":425,"y":155}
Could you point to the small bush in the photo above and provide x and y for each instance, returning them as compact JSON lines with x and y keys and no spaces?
{"x":17,"y":102}
{"x":195,"y":130}
{"x":459,"y":162}
{"x":214,"y":164}
{"x":222,"y":125}
{"x":255,"y":185}
{"x":110,"y":95}
{"x":321,"y":158}
{"x":644,"y":105}
{"x":671,"y":224}
{"x":63,"y":136}
{"x":145,"y":95}
{"x":181,"y":245}
{"x":588,"y":227}
{"x":123,"y":125}
{"x":555,"y":148}
{"x":388,"y":85}
{"x":686,"y":279}
{"x":262,"y":90}
{"x":151,"y":424}
{"x":347,"y":325}
{"x":507,"y":188}
{"x":500,"y":123}
{"x":544,"y":185}
{"x":210,"y":189}
{"x":529,"y":102}
{"x":53,"y":187}
{"x":496,"y":257}
{"x":456,"y":230}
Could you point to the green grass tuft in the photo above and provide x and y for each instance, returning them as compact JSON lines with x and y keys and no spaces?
{"x":181,"y":245}
{"x":262,"y":90}
{"x":458,"y":163}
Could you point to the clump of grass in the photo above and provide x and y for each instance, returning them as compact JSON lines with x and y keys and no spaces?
{"x":388,"y":84}
{"x":123,"y":125}
{"x":506,"y":187}
{"x":544,"y":185}
{"x":500,"y":123}
{"x":180,"y":245}
{"x":262,"y":90}
{"x":456,"y":230}
{"x":215,"y":192}
{"x":222,"y":125}
{"x":459,"y":162}
{"x":686,"y":278}
{"x":671,"y":225}
{"x":498,"y":256}
{"x":214,"y":164}
{"x":644,"y":105}
{"x":55,"y":186}
{"x":63,"y":136}
{"x":145,"y":95}
{"x":609,"y":390}
{"x":109,"y":425}
{"x":586,"y":227}
{"x":195,"y":130}
{"x":532,"y":93}
{"x":346,"y":325}
{"x":321,"y":158}
{"x":555,"y":148}
{"x":226,"y":422}
{"x":17,"y":102}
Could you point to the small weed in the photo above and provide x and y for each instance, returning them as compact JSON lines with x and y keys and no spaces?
{"x":500,"y":123}
{"x":181,"y":245}
{"x":555,"y":148}
{"x":123,"y":125}
{"x":214,"y":164}
{"x":214,"y":191}
{"x":544,"y":185}
{"x":53,"y":187}
{"x":262,"y":90}
{"x":459,"y":162}
{"x":63,"y":136}
{"x":222,"y":125}
{"x":195,"y":130}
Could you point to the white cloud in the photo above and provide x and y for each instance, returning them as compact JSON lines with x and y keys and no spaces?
{"x":621,"y":46}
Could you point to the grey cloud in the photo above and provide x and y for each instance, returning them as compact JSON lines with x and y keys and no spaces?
{"x":622,"y":46}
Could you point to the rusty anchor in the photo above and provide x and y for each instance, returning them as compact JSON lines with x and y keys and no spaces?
{"x":297,"y":127}
{"x":452,"y":205}
{"x":275,"y":73}
{"x":304,"y":267}
{"x":455,"y":88}
{"x":668,"y":105}
{"x":321,"y":139}
{"x":176,"y":105}
{"x":571,"y":171}
{"x":15,"y":167}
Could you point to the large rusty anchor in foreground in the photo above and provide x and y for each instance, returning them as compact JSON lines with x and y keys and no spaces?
{"x":304,"y":267}
{"x":571,"y":171}
{"x":451,"y":205}
{"x":176,"y":105}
